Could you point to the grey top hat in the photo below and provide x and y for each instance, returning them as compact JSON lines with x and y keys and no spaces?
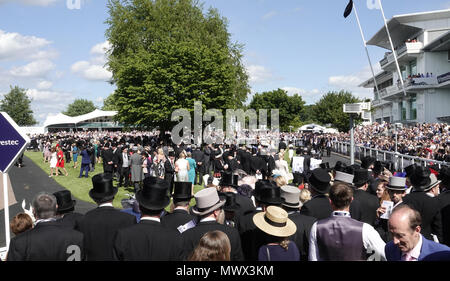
{"x":344,"y":177}
{"x":207,"y":200}
{"x":396,"y":183}
{"x":291,"y":196}
{"x":434,"y":182}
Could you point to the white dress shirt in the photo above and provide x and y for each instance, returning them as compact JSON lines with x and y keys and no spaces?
{"x":371,"y":240}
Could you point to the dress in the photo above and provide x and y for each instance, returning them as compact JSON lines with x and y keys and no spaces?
{"x":191,"y":172}
{"x":60,"y":161}
{"x":277,"y":253}
{"x":182,"y":174}
{"x":75,"y":153}
{"x":53,"y":160}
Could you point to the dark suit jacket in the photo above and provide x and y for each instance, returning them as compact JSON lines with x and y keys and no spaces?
{"x":429,"y":247}
{"x":318,"y":207}
{"x":428,"y":208}
{"x":301,"y":237}
{"x":70,"y":219}
{"x":368,"y":204}
{"x":107,"y":157}
{"x":244,"y":157}
{"x":176,"y":218}
{"x":47,"y":241}
{"x":444,"y":204}
{"x":252,"y":237}
{"x":99,"y":227}
{"x":192,"y":236}
{"x":147,"y":241}
{"x":199,"y":156}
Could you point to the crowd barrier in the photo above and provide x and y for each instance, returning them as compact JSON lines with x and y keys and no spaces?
{"x":400,"y":161}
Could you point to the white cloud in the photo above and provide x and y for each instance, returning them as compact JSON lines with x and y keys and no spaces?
{"x":48,"y":102}
{"x":31,"y":2}
{"x":38,"y":68}
{"x":14,"y":45}
{"x":258,"y":74}
{"x":351,"y":82}
{"x":44,"y":85}
{"x":95,"y":68}
{"x":269,"y":15}
{"x":309,"y":96}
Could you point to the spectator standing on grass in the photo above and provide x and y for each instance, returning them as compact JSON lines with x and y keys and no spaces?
{"x":53,"y":162}
{"x":85,"y":162}
{"x":99,"y":225}
{"x":48,"y":240}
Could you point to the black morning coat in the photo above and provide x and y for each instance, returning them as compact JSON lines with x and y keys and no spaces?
{"x":192,"y":236}
{"x":147,"y":241}
{"x":318,"y":207}
{"x":99,"y":227}
{"x":47,"y":241}
{"x":176,"y":218}
{"x":301,"y":237}
{"x":368,"y":204}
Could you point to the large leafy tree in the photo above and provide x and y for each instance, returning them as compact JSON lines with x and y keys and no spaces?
{"x":109,"y":104}
{"x":289,"y":106}
{"x":79,"y":107}
{"x":18,"y":105}
{"x":166,"y":54}
{"x":329,"y":110}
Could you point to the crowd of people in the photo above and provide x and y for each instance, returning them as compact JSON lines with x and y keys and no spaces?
{"x":250,"y":208}
{"x":430,"y":141}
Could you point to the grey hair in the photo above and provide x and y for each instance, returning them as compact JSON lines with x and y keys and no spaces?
{"x":44,"y":205}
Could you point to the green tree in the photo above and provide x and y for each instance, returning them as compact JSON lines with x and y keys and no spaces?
{"x":18,"y":106}
{"x":79,"y":107}
{"x":289,"y":106}
{"x":109,"y":104}
{"x":166,"y":54}
{"x":329,"y":110}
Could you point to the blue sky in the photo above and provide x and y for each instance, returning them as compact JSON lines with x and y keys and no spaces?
{"x":305,"y":47}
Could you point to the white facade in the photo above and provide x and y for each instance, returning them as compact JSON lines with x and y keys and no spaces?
{"x":422,"y":45}
{"x":96,"y":119}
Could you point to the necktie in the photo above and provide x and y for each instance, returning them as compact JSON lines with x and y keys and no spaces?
{"x":408,"y":257}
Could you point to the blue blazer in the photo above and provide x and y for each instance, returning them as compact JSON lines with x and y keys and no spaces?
{"x":429,"y":247}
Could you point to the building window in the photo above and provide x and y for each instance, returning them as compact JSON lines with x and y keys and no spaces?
{"x":413,"y":107}
{"x":403,"y":108}
{"x":413,"y":67}
{"x":403,"y":71}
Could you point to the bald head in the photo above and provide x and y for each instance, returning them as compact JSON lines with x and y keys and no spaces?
{"x":404,"y":225}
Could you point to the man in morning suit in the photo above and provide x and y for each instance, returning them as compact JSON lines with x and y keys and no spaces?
{"x":49,"y":240}
{"x":368,"y":203}
{"x":291,"y":205}
{"x":229,"y":183}
{"x":319,"y":205}
{"x":100,"y":225}
{"x":212,"y":216}
{"x":408,"y":243}
{"x":180,"y":215}
{"x":169,"y":170}
{"x":66,"y":205}
{"x":444,"y":203}
{"x":149,"y":240}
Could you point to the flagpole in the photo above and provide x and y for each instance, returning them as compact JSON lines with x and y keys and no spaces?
{"x":367,"y":51}
{"x":392,"y":47}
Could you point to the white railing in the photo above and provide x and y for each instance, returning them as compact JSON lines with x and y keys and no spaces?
{"x":400,"y":160}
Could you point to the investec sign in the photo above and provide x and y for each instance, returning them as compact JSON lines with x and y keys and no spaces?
{"x":12,"y":142}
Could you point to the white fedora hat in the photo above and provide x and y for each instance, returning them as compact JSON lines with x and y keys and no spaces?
{"x":207,"y":200}
{"x":275,"y":222}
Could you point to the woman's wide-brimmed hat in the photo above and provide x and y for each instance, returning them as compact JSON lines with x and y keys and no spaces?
{"x":275,"y":222}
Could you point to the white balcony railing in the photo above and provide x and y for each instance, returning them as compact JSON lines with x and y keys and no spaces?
{"x":407,"y":48}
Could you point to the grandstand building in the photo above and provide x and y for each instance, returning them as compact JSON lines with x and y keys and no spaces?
{"x":95,"y":120}
{"x":422,"y":45}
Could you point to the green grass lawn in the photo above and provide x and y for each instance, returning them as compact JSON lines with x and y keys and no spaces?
{"x":80,"y":187}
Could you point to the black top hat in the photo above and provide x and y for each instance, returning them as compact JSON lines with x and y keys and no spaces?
{"x":325,"y":166}
{"x":367,"y":161}
{"x":298,"y":178}
{"x":154,"y":195}
{"x":410,"y":170}
{"x":267,"y":192}
{"x":230,"y":203}
{"x":171,"y":153}
{"x":228,"y":179}
{"x":339,"y":167}
{"x":444,"y":175}
{"x":378,"y":167}
{"x":64,"y":201}
{"x":182,"y":191}
{"x":361,"y":177}
{"x":319,"y":180}
{"x":420,"y":179}
{"x":103,"y":189}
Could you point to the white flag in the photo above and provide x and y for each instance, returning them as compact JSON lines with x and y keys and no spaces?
{"x":373,"y":4}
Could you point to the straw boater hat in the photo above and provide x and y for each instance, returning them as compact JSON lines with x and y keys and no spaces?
{"x":275,"y":222}
{"x":207,"y":200}
{"x":396,"y":183}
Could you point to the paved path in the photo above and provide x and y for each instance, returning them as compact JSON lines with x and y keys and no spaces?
{"x":26,"y":183}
